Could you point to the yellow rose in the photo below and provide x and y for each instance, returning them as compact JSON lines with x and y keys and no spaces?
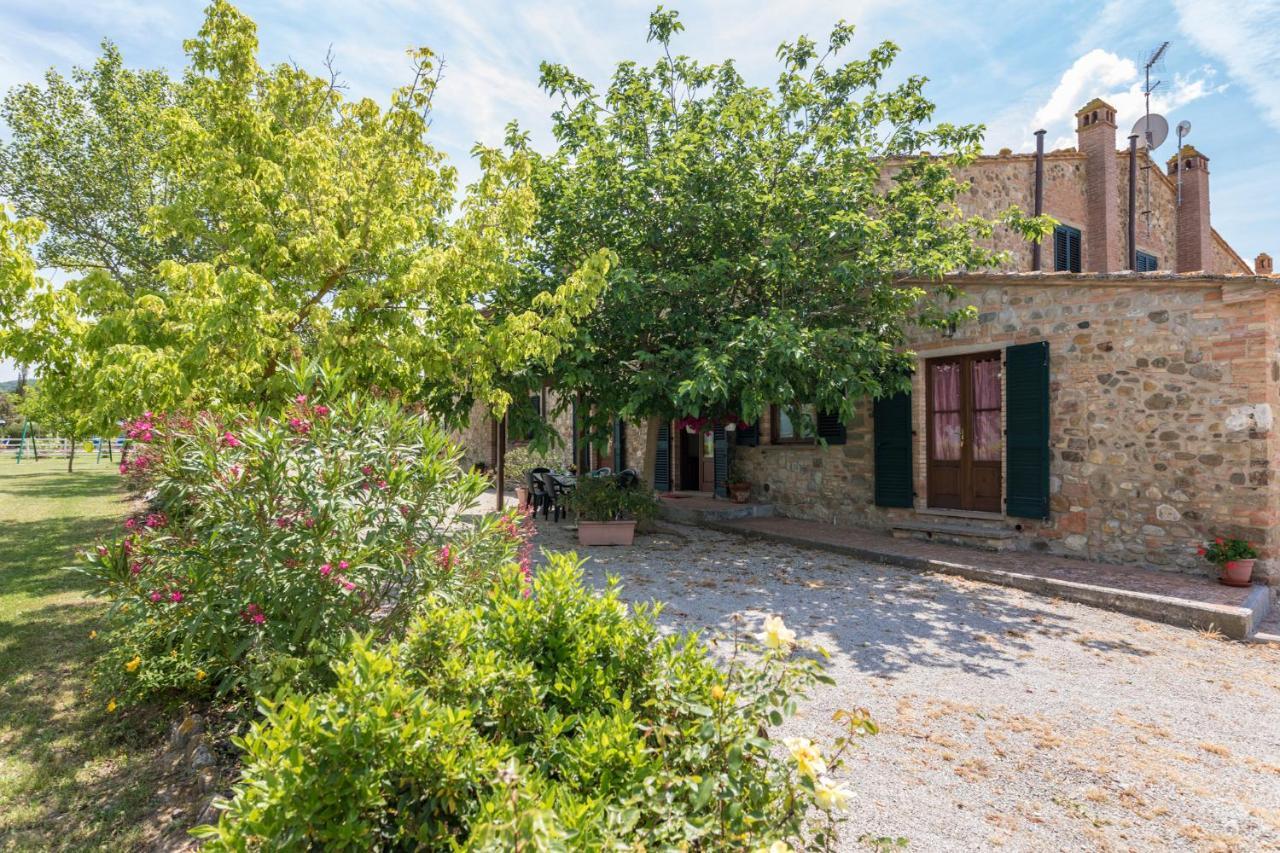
{"x":133,"y":664}
{"x":93,"y":635}
{"x":832,"y":797}
{"x":807,"y":758}
{"x":776,"y":635}
{"x":111,"y":706}
{"x":717,"y":693}
{"x":200,"y":675}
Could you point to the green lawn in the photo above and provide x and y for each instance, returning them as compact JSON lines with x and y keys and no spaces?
{"x":72,"y":776}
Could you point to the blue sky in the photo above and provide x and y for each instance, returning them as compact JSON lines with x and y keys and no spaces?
{"x":1013,"y":66}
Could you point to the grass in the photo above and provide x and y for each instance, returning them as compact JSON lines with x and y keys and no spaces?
{"x":72,"y":776}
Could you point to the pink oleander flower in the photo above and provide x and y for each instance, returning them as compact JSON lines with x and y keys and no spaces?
{"x":253,"y":613}
{"x":229,"y":440}
{"x":124,"y":468}
{"x":348,"y":586}
{"x":301,"y":399}
{"x":283,"y":521}
{"x":366,"y":470}
{"x":325,"y":570}
{"x":131,"y":524}
{"x":102,"y":550}
{"x":343,"y":565}
{"x":405,"y":509}
{"x":308,"y":522}
{"x":127,"y":545}
{"x":299,"y":425}
{"x":135,"y":568}
{"x":175,"y":596}
{"x":156,"y":519}
{"x":155,"y":595}
{"x":445,"y":558}
{"x":321,"y":411}
{"x":382,"y":484}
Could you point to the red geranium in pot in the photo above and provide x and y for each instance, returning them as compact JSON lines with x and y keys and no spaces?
{"x":1234,"y":559}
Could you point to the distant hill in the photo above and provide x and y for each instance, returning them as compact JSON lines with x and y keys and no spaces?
{"x":9,"y":386}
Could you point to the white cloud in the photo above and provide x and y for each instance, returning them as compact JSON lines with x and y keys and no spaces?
{"x":1098,"y":74}
{"x":1242,"y":36}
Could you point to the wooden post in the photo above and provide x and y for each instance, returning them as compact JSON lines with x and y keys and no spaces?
{"x":501,"y":462}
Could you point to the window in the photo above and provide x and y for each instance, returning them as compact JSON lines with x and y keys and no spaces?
{"x":794,"y":424}
{"x":1147,"y":263}
{"x":528,"y":418}
{"x":1066,"y":249}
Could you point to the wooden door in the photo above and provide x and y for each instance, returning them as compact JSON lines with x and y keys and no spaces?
{"x":707,"y":454}
{"x":965,"y":445}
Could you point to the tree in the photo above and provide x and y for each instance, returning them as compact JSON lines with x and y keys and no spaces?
{"x":765,"y":235}
{"x":289,"y":223}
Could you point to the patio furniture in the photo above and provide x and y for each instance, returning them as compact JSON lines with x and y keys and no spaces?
{"x":628,"y":478}
{"x":601,"y":472}
{"x":555,"y":488}
{"x":537,"y":489}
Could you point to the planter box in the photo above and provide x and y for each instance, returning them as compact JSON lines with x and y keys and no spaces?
{"x":606,"y":532}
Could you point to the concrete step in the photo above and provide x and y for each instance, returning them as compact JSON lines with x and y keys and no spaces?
{"x":957,"y":532}
{"x":703,"y":510}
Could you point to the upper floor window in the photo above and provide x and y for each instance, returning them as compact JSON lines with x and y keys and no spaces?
{"x":1147,"y":263}
{"x":1066,"y":249}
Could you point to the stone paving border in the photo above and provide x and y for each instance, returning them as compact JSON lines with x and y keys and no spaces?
{"x":1239,"y":623}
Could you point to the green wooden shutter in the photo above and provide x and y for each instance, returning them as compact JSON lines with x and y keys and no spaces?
{"x":1027,"y":430}
{"x":1066,"y":249}
{"x":895,"y":482}
{"x":619,"y":445}
{"x":721,"y":445}
{"x":831,"y":428}
{"x":662,"y":466}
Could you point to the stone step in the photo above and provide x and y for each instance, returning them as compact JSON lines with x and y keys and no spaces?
{"x":955,"y":532}
{"x":698,"y":510}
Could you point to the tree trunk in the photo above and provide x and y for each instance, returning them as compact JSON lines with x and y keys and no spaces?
{"x":649,"y":469}
{"x":71,"y":453}
{"x":124,"y":452}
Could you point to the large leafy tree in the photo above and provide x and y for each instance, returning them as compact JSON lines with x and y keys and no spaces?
{"x":242,"y":218}
{"x":766,"y":235}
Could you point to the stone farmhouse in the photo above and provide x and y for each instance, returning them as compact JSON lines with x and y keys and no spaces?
{"x":1114,"y":399}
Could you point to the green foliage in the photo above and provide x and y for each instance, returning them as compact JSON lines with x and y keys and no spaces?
{"x":264,"y":217}
{"x":564,"y":720}
{"x":603,"y":499}
{"x":1222,"y":551}
{"x":277,"y":535}
{"x":522,"y":459}
{"x":765,"y":234}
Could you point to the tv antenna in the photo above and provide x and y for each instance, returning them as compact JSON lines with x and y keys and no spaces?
{"x":1184,"y":128}
{"x":1151,"y":124}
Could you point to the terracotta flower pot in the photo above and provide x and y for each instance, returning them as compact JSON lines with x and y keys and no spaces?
{"x":740,"y":493}
{"x":1237,"y":573}
{"x":522,"y":496}
{"x":606,"y":532}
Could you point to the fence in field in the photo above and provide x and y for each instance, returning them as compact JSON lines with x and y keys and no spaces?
{"x":57,"y":447}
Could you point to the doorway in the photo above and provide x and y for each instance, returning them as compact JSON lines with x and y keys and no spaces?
{"x":965,"y":440}
{"x":697,"y":460}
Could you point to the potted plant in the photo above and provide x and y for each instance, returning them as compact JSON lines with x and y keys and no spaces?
{"x":1234,"y":559}
{"x":608,"y":512}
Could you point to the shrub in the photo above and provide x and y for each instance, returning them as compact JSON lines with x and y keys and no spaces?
{"x":524,"y":458}
{"x":564,"y":720}
{"x":606,"y":499}
{"x":274,"y":536}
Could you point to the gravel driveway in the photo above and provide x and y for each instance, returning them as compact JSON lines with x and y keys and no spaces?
{"x":1008,"y":721}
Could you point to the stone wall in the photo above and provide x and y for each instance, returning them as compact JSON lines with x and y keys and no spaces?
{"x":1161,"y":404}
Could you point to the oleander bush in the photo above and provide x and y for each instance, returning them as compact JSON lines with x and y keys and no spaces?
{"x":272,"y":537}
{"x":558,"y":720}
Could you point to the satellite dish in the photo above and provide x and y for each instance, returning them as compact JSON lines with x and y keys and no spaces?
{"x":1184,"y":128}
{"x":1153,"y":129}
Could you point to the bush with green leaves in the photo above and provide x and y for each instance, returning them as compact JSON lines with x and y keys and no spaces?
{"x":522,"y":459}
{"x":606,"y":499}
{"x":559,"y":720}
{"x":272,"y":537}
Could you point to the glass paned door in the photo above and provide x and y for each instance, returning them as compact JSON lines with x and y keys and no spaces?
{"x":965,"y":443}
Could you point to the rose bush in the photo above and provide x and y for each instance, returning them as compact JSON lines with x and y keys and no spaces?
{"x":272,"y":537}
{"x":560,"y":720}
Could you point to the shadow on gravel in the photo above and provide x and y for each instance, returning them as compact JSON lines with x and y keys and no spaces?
{"x":883,"y":618}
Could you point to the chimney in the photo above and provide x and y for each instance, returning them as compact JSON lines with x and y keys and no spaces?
{"x":1195,"y":236}
{"x":1096,"y":139}
{"x":1262,"y":264}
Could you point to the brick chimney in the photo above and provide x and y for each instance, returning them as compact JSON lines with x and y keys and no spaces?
{"x":1262,"y":264}
{"x":1096,"y":139}
{"x":1195,"y":236}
